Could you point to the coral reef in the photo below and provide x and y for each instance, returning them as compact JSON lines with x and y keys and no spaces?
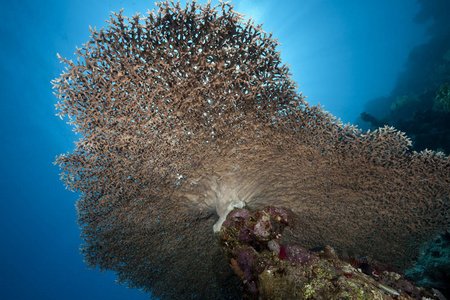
{"x":419,"y":103}
{"x":188,"y":112}
{"x":428,"y":128}
{"x":443,"y":97}
{"x":432,"y":269}
{"x":270,"y":269}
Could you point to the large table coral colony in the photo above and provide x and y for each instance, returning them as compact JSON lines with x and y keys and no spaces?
{"x":188,"y":112}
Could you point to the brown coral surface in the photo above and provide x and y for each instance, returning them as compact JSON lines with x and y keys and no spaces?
{"x":189,"y":111}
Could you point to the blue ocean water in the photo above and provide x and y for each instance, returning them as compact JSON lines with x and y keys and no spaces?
{"x":343,"y":53}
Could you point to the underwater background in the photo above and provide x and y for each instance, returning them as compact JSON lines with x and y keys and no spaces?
{"x":389,"y":60}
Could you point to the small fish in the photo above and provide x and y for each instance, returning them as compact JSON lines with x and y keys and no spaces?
{"x":388,"y":289}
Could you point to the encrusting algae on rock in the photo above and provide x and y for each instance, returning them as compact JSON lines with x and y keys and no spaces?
{"x":270,"y":269}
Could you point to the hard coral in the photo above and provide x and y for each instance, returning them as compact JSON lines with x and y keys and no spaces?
{"x":187,"y":113}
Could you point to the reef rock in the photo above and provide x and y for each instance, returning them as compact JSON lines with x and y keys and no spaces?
{"x":270,"y":269}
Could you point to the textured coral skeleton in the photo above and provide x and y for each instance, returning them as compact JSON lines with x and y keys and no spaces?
{"x":188,"y":112}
